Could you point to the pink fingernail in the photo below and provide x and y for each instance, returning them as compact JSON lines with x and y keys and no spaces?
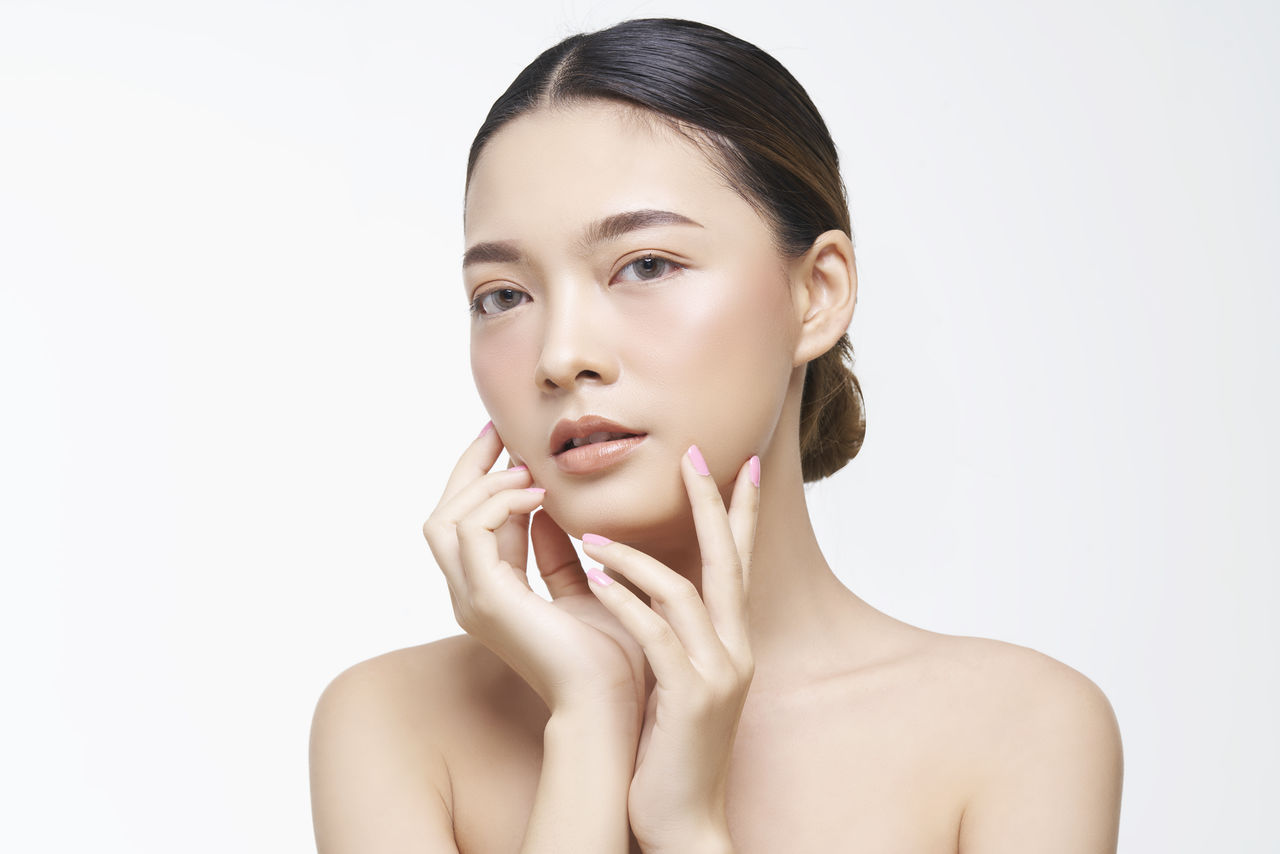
{"x":596,"y":540}
{"x":518,"y":468}
{"x":753,"y":466}
{"x":488,"y":425}
{"x":599,"y":577}
{"x":699,"y":464}
{"x":534,"y":489}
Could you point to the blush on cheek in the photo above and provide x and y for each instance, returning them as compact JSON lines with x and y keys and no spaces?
{"x":502,"y":377}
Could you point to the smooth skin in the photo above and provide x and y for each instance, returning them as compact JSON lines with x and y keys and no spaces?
{"x":725,"y":692}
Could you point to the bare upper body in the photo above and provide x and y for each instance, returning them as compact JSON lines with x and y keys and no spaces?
{"x":660,"y":278}
{"x":911,"y":741}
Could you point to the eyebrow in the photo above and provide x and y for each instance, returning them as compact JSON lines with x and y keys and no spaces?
{"x":601,"y":231}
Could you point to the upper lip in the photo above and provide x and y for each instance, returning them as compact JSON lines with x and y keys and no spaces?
{"x":565,"y":430}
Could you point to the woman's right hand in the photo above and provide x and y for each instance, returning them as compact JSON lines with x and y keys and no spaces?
{"x":572,"y":651}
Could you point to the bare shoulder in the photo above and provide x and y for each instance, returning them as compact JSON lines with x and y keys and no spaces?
{"x":1046,"y":755}
{"x":382,"y":735}
{"x":1013,"y":685}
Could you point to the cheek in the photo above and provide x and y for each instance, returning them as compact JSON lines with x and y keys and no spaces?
{"x":722,"y":345}
{"x":501,"y":364}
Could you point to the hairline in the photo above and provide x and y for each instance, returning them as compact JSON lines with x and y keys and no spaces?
{"x":716,"y":148}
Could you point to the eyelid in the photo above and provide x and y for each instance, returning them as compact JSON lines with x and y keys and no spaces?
{"x":640,"y":256}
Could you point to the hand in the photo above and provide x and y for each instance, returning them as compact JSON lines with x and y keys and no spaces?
{"x":570,"y":650}
{"x":700,"y":655}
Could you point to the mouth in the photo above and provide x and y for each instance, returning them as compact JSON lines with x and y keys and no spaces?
{"x":591,"y":443}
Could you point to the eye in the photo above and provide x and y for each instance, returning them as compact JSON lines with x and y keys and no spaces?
{"x":647,"y":268}
{"x":497,"y":301}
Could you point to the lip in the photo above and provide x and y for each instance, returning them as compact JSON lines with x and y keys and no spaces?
{"x":596,"y":456}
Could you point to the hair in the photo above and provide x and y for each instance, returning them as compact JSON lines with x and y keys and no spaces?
{"x":763,"y":134}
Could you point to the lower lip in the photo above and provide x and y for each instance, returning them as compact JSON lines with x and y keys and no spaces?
{"x":596,"y":456}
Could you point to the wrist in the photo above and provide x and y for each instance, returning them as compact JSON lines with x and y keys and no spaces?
{"x":603,"y":718}
{"x":710,"y":838}
{"x":600,"y":731}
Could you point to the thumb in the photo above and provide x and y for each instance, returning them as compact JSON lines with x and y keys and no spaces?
{"x":557,"y":561}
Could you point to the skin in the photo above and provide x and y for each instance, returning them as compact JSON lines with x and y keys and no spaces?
{"x":727,"y":693}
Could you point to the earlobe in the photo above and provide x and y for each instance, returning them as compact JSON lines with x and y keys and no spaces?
{"x":825,"y":288}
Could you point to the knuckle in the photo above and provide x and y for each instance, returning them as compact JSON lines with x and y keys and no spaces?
{"x":676,"y":589}
{"x":658,"y":633}
{"x":702,"y":703}
{"x":711,"y":499}
{"x":483,"y":604}
{"x":468,"y":529}
{"x":724,"y":685}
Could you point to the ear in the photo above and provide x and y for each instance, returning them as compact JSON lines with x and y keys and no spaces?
{"x":824,"y":289}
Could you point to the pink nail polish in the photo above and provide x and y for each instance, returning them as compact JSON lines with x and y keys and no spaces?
{"x":599,"y":577}
{"x":534,"y":489}
{"x":518,"y":468}
{"x":596,"y":540}
{"x":488,"y":425}
{"x":699,"y":464}
{"x":753,"y":466}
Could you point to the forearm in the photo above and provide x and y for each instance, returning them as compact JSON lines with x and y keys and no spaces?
{"x":581,"y":803}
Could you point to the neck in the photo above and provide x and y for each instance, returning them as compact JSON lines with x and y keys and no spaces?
{"x":795,"y":601}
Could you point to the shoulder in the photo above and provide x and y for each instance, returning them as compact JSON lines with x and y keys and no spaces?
{"x":382,"y":735}
{"x":1014,"y":684}
{"x":438,"y":682}
{"x":1045,"y":756}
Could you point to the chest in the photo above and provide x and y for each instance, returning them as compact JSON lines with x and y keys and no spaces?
{"x":800,"y":781}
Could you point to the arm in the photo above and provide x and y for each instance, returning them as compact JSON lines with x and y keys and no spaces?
{"x":379,"y":780}
{"x":581,"y":803}
{"x":1054,"y":781}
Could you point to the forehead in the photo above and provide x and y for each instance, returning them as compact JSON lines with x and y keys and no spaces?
{"x":558,"y":167}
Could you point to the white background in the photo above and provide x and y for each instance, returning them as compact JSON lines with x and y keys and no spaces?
{"x":234,"y":374}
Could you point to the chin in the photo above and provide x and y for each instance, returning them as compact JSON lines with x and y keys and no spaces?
{"x":618,"y":514}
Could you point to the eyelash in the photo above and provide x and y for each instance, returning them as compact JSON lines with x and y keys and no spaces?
{"x":477,"y":304}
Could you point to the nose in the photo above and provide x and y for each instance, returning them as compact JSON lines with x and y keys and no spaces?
{"x":575,"y":346}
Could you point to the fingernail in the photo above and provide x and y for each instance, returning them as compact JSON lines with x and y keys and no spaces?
{"x":599,"y":577}
{"x":699,"y":464}
{"x":534,"y":489}
{"x":753,"y":466}
{"x":518,"y":468}
{"x":596,"y":539}
{"x":488,"y":425}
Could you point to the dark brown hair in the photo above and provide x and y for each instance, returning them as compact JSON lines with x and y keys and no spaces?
{"x":766,"y":138}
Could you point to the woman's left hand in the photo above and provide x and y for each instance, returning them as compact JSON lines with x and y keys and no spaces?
{"x":698,"y":649}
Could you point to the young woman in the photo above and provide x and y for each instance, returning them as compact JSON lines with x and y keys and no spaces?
{"x":659,"y":266}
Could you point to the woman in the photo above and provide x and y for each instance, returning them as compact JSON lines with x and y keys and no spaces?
{"x":661,"y":276}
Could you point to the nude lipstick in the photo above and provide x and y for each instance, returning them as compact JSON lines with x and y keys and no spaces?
{"x":591,"y":444}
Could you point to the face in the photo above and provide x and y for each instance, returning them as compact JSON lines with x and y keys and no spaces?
{"x":612,"y":273}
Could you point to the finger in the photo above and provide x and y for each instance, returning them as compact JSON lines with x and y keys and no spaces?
{"x":441,"y":528}
{"x":721,"y":566}
{"x":477,"y":538}
{"x":672,"y":597}
{"x":667,"y":656}
{"x":744,"y":510}
{"x":475,"y":493}
{"x":557,"y":560}
{"x":475,"y":461}
{"x":513,"y":543}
